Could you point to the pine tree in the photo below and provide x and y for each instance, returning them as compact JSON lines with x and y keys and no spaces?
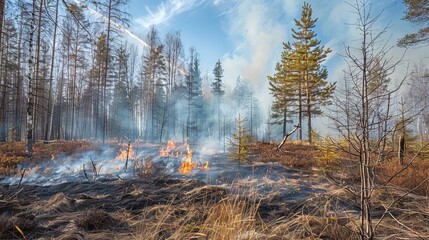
{"x":240,"y":142}
{"x":285,"y":90}
{"x":194,"y":97}
{"x":217,"y":90}
{"x":418,"y":14}
{"x":301,"y":73}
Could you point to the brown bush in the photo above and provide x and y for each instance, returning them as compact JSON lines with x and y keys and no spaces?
{"x":410,"y":178}
{"x":298,"y":155}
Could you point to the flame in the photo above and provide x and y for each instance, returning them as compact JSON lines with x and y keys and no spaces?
{"x":187,"y":164}
{"x":205,"y":167}
{"x":169,"y":151}
{"x":124,"y":153}
{"x":53,"y":157}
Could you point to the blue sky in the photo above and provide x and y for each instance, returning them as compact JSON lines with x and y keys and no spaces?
{"x":247,"y":35}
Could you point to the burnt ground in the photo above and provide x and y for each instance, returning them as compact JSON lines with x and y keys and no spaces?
{"x":107,"y":209}
{"x":260,"y":199}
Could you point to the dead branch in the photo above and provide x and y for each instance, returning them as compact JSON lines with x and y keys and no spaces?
{"x":387,"y":209}
{"x":296,"y":127}
{"x":84,"y":173}
{"x":94,"y":168}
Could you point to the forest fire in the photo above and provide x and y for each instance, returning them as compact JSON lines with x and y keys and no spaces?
{"x":205,"y":167}
{"x":187,"y":165}
{"x":169,"y":151}
{"x":125,"y":153}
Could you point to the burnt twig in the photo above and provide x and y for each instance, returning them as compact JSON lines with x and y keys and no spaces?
{"x":84,"y":172}
{"x":22,"y":176}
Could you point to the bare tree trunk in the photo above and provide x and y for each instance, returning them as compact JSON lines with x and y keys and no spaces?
{"x":2,"y":3}
{"x":3,"y":85}
{"x":18,"y":111}
{"x":106,"y":66}
{"x":73,"y":93}
{"x":50,"y":109}
{"x":401,"y":150}
{"x":36,"y":72}
{"x":30,"y":102}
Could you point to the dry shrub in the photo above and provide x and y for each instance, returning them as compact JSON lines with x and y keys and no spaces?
{"x":297,"y":154}
{"x":95,"y":219}
{"x":410,"y":178}
{"x":8,"y":163}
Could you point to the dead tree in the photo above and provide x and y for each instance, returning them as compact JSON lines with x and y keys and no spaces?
{"x":368,"y":73}
{"x":296,"y":127}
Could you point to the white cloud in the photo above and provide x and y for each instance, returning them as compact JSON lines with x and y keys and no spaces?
{"x":166,"y":10}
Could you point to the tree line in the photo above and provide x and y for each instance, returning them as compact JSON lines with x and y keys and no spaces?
{"x":67,"y":75}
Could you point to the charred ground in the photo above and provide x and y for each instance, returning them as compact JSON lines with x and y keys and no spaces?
{"x":288,"y":194}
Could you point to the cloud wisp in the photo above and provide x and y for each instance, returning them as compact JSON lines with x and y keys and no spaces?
{"x":167,"y":10}
{"x":115,"y":24}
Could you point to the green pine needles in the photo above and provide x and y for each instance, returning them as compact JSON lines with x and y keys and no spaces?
{"x":240,"y":141}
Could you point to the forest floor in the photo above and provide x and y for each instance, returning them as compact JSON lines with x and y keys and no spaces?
{"x":301,"y":192}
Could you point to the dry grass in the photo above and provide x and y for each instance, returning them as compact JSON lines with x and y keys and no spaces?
{"x":298,"y":155}
{"x":96,"y":220}
{"x":26,"y":224}
{"x":14,"y":153}
{"x":410,"y":178}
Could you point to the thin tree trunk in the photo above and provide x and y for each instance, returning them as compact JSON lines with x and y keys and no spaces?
{"x":50,"y":109}
{"x":2,"y":3}
{"x":36,"y":73}
{"x":18,"y":112}
{"x":73,"y":96}
{"x":300,"y":110}
{"x":30,"y":102}
{"x":3,"y":85}
{"x":106,"y":71}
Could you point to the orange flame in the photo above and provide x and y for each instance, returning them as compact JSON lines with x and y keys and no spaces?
{"x":187,"y":164}
{"x":205,"y":167}
{"x":124,"y":153}
{"x":168,"y":152}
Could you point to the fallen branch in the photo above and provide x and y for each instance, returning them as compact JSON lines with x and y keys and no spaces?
{"x":296,"y":127}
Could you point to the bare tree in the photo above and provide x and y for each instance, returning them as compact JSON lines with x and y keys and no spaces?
{"x":358,"y":119}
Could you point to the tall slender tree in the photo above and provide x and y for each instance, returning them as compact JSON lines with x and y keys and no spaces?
{"x":309,"y":56}
{"x":112,"y":13}
{"x":218,"y":92}
{"x":301,"y":73}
